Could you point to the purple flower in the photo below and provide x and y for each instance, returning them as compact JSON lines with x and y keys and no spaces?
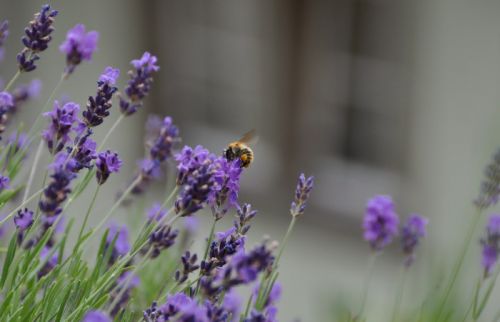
{"x":189,"y":159}
{"x":491,"y":244}
{"x":4,"y":182}
{"x":6,"y":101}
{"x":84,"y":153}
{"x":161,"y":238}
{"x":184,"y":309}
{"x":62,"y":121}
{"x":98,"y":106}
{"x":78,"y":46}
{"x":122,"y":245}
{"x":232,"y":303}
{"x":245,"y":215}
{"x":304,"y":187}
{"x":191,"y":224}
{"x":226,"y":186}
{"x":37,"y":38}
{"x":96,"y":316}
{"x":4,"y":33}
{"x":24,"y":219}
{"x":490,"y":187}
{"x":161,"y":148}
{"x":188,"y":266}
{"x":139,"y":85}
{"x":413,"y":230}
{"x":156,"y":212}
{"x":381,"y":222}
{"x":106,"y":163}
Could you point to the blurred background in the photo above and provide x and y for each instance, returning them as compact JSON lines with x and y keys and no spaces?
{"x":369,"y":96}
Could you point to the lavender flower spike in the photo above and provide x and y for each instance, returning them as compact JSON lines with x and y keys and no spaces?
{"x":490,"y":188}
{"x":491,"y":244}
{"x":37,"y":38}
{"x":413,"y":230}
{"x":4,"y":33}
{"x":381,"y":222}
{"x":62,"y":121}
{"x":139,"y":85}
{"x":106,"y":163}
{"x":304,"y":187}
{"x":96,"y":316}
{"x":6,"y":106}
{"x":78,"y":46}
{"x":98,"y":106}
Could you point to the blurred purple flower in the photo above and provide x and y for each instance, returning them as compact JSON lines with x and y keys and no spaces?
{"x":491,"y":244}
{"x":413,"y":230}
{"x":4,"y":182}
{"x":78,"y":46}
{"x":162,"y":145}
{"x":232,"y":303}
{"x":490,"y":187}
{"x":37,"y":38}
{"x":156,"y":212}
{"x":96,"y":316}
{"x":381,"y":223}
{"x":106,"y":163}
{"x":122,"y":245}
{"x":25,"y":92}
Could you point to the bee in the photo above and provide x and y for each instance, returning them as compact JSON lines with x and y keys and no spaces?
{"x":240,"y":150}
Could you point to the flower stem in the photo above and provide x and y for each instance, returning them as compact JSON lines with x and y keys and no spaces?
{"x":400,"y":293}
{"x":33,"y":170}
{"x":366,"y":283}
{"x":89,"y":209}
{"x":12,"y":80}
{"x":285,"y":241}
{"x":459,"y":263}
{"x":44,"y":108}
{"x":113,"y":127}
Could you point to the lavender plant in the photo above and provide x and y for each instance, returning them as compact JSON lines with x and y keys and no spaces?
{"x":47,"y":271}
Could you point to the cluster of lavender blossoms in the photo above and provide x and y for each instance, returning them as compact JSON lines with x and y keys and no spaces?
{"x":147,"y":271}
{"x":381,"y":225}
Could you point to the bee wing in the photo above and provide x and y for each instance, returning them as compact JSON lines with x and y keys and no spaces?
{"x":250,"y":137}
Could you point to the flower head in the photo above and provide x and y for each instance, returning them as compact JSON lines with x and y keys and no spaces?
{"x":304,"y":188}
{"x":139,"y":84}
{"x":226,"y":186}
{"x":96,"y":316}
{"x":84,"y":152}
{"x":106,"y":163}
{"x":23,"y":219}
{"x":78,"y":46}
{"x":99,"y":105}
{"x":62,"y":121}
{"x":156,"y":212}
{"x":37,"y":38}
{"x":120,"y":235}
{"x":161,"y":148}
{"x":413,"y":230}
{"x":161,"y":238}
{"x":491,"y":244}
{"x":381,"y":222}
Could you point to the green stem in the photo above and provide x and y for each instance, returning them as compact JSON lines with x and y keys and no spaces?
{"x":486,"y":297}
{"x":459,"y":263}
{"x":113,"y":127}
{"x":44,"y":108}
{"x":285,"y":241}
{"x":33,"y":170}
{"x":12,"y":80}
{"x":400,"y":293}
{"x":366,"y":284}
{"x":207,"y":248}
{"x":89,"y":209}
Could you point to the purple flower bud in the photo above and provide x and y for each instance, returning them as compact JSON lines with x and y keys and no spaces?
{"x":139,"y":85}
{"x":4,"y":182}
{"x":62,"y":121}
{"x":413,"y":230}
{"x":188,"y":266}
{"x":226,"y":186}
{"x":304,"y":187}
{"x":84,"y":153}
{"x":491,"y":244}
{"x":156,"y":213}
{"x":98,"y":106}
{"x":162,"y":146}
{"x":4,"y":33}
{"x":106,"y":163}
{"x":24,"y":219}
{"x":381,"y":222}
{"x":96,"y":316}
{"x":37,"y":38}
{"x":162,"y":238}
{"x":78,"y":46}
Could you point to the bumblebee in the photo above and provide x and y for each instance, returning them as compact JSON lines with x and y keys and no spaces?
{"x":240,"y":150}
